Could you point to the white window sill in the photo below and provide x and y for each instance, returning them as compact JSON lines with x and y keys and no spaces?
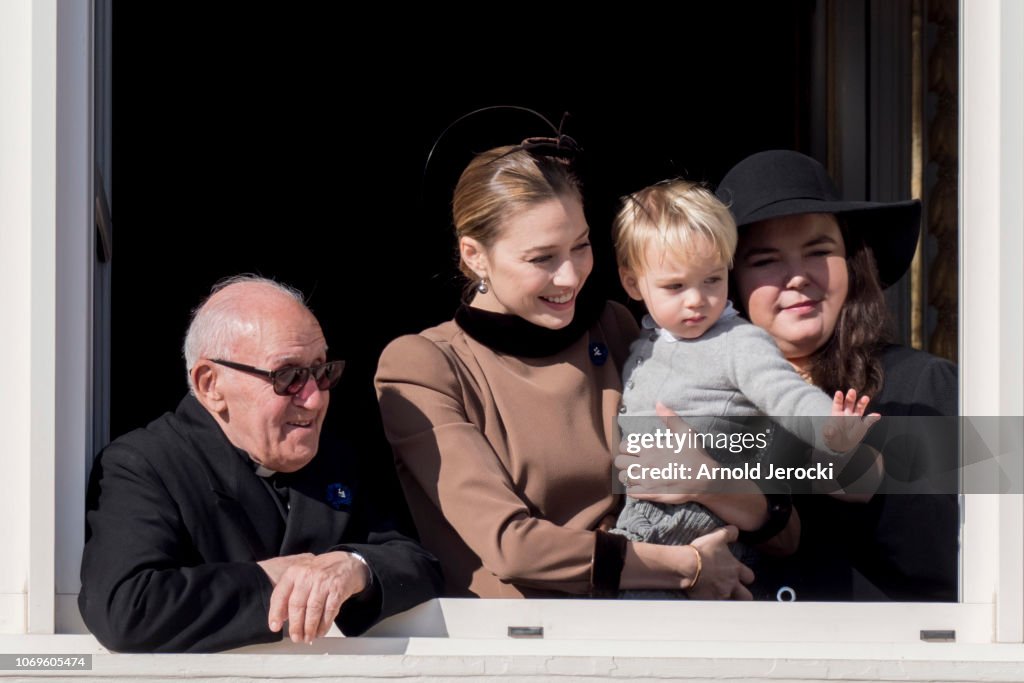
{"x":603,"y":647}
{"x":451,"y":658}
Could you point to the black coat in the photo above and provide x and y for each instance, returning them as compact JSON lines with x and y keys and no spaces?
{"x":904,"y":544}
{"x":177,"y":519}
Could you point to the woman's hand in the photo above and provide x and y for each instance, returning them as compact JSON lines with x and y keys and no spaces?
{"x":722,"y":576}
{"x":741,"y":504}
{"x":673,"y":567}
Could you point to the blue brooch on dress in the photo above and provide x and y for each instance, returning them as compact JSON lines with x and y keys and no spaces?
{"x":598,"y":353}
{"x":339,"y":496}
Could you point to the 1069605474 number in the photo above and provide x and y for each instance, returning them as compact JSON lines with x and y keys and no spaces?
{"x":42,"y":662}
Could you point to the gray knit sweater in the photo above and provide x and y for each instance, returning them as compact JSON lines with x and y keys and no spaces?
{"x":734,"y":370}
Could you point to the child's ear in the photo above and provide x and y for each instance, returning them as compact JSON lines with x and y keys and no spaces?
{"x":473,"y":255}
{"x":630,"y":284}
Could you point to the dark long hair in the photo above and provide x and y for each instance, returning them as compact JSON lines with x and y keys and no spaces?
{"x":852,"y":357}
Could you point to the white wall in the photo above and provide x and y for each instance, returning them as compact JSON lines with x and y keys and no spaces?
{"x":991,"y":285}
{"x":45,"y":190}
{"x":26,"y":235}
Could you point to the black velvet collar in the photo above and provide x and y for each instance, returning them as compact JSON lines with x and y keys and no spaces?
{"x":512,"y":335}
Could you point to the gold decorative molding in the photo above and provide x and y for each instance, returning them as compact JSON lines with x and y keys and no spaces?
{"x":917,"y":286}
{"x":940,"y":222}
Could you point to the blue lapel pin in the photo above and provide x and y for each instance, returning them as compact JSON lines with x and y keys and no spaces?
{"x":339,"y":496}
{"x":598,"y":353}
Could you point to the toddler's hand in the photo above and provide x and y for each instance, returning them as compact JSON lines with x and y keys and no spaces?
{"x":848,"y":424}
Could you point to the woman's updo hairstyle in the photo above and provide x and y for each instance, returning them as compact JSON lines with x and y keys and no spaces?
{"x":503,"y":181}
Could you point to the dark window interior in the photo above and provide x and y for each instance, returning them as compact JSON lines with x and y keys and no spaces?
{"x":290,"y":141}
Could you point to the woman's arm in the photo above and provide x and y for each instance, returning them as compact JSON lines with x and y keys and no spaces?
{"x":859,"y":474}
{"x":746,"y":511}
{"x":742,"y":503}
{"x":786,"y":541}
{"x":720,"y":576}
{"x":451,"y":465}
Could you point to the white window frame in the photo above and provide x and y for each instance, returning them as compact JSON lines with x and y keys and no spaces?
{"x":992,"y":370}
{"x":75,"y":258}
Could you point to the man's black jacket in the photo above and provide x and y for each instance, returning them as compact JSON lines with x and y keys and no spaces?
{"x":177,"y":519}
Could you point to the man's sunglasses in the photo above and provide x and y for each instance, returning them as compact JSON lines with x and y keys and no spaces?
{"x":289,"y":381}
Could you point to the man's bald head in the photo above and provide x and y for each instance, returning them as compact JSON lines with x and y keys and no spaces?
{"x":248,"y":329}
{"x":235,"y":308}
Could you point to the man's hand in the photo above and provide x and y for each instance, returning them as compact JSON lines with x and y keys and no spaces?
{"x":276,"y":566}
{"x":310,"y":589}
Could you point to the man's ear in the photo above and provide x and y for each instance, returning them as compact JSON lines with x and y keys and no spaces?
{"x":205,"y":380}
{"x":630,"y":283}
{"x":474,"y":255}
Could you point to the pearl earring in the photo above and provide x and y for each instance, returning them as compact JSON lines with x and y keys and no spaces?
{"x":482,"y":286}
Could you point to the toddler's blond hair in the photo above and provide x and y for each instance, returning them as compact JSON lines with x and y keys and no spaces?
{"x":684,"y":216}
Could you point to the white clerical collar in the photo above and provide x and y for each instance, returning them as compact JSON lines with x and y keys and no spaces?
{"x":262,"y":471}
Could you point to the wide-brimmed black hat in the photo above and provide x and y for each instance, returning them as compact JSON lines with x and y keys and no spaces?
{"x":783,"y":183}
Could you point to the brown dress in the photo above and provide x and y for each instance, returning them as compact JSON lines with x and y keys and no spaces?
{"x":506,"y":461}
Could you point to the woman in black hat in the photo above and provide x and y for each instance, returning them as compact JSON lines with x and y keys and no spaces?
{"x":810,"y":269}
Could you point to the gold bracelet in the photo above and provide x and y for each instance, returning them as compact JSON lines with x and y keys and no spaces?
{"x":696,"y":574}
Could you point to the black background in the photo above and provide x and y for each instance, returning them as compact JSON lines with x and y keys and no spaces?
{"x":290,"y":140}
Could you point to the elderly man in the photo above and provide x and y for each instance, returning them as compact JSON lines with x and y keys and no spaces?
{"x":214,"y":525}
